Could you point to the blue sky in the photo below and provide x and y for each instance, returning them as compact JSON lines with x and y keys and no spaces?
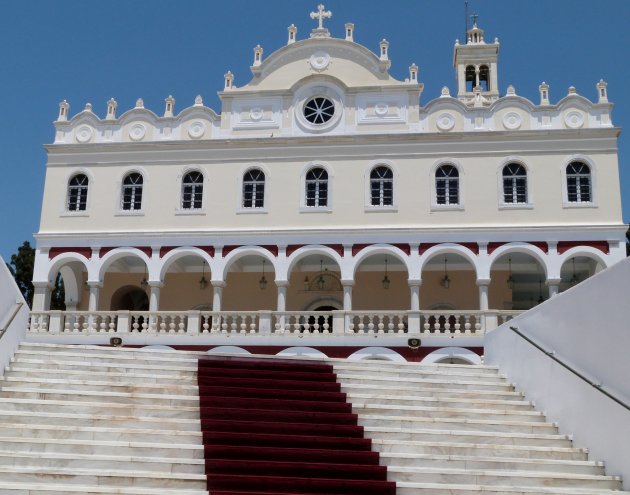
{"x":88,"y":51}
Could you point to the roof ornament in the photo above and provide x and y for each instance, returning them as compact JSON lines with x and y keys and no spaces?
{"x":320,"y":15}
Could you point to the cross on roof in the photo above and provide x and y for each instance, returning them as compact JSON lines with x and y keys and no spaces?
{"x":321,"y":14}
{"x":474,"y":18}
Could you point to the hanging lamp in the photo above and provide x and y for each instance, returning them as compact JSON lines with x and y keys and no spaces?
{"x":445,"y":281}
{"x":574,"y":279}
{"x":203,"y":283}
{"x":386,"y":281}
{"x":510,"y":279}
{"x":262,"y":283}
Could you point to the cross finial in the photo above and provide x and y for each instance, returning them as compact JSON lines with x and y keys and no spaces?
{"x":474,"y":18}
{"x":321,"y":14}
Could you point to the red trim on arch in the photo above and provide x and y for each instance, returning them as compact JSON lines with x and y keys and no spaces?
{"x":564,"y":246}
{"x":425,"y":246}
{"x":542,"y":245}
{"x":292,"y":248}
{"x":473,"y":246}
{"x":56,"y":251}
{"x":492,"y":246}
{"x":207,"y":249}
{"x":166,"y":249}
{"x":356,"y":248}
{"x":145,"y":249}
{"x":406,"y":248}
{"x":338,"y":248}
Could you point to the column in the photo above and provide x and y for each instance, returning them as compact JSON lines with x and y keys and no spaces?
{"x":41,"y":296}
{"x":554,"y":286}
{"x":347,"y":294}
{"x":488,"y":322}
{"x":154,"y":295}
{"x":217,"y":294}
{"x":414,"y":291}
{"x":281,"y":306}
{"x":94,"y":295}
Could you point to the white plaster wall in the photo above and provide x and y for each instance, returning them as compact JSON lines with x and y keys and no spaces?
{"x":10,"y":295}
{"x":223,"y":165}
{"x":587,"y":327}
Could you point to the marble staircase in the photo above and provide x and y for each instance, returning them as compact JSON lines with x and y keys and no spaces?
{"x":90,"y":420}
{"x":94,"y":420}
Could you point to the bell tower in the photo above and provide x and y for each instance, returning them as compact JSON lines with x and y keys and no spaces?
{"x":476,"y":66}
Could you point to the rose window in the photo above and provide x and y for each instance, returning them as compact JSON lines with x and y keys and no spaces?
{"x":319,"y":110}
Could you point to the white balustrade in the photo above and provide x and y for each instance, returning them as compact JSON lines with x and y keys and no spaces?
{"x":304,"y":323}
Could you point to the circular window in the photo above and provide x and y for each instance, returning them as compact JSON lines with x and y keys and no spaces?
{"x":319,"y":110}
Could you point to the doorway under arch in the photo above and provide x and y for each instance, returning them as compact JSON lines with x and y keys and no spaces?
{"x":130,"y":298}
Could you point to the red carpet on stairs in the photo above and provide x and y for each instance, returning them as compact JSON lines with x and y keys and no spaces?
{"x":282,"y":427}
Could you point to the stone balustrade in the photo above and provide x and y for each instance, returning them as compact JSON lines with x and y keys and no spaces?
{"x":268,"y":323}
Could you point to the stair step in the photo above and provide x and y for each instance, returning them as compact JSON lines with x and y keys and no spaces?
{"x":409,"y":488}
{"x":31,"y":488}
{"x":447,"y":412}
{"x":359,"y":399}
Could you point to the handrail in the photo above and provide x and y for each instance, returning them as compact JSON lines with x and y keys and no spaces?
{"x":16,"y":309}
{"x":551,"y":354}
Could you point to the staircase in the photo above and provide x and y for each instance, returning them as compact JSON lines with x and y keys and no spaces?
{"x":94,"y":420}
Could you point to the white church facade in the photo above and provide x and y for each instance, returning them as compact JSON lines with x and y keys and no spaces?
{"x":326,"y":206}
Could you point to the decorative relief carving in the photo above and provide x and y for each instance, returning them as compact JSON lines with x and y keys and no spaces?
{"x":574,"y":119}
{"x":137,"y":132}
{"x":319,"y":61}
{"x":196,"y":129}
{"x":381,"y":109}
{"x":512,"y":120}
{"x":256,"y":114}
{"x":84,"y":133}
{"x":445,"y":121}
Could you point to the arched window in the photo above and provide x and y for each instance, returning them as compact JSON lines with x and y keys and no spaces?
{"x":579,"y":183}
{"x":254,"y":189}
{"x":382,"y":186}
{"x":471,"y":78}
{"x":447,"y":185}
{"x":132,"y":191}
{"x":192,"y":191}
{"x":317,"y":187}
{"x":514,"y":184}
{"x":77,"y":193}
{"x":484,"y":78}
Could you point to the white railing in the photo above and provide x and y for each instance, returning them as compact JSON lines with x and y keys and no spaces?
{"x":434,"y":323}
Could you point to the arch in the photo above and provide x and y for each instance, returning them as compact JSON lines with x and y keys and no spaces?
{"x":302,"y":351}
{"x":449,"y":248}
{"x":438,"y":167}
{"x":587,"y":252}
{"x":519,"y":247}
{"x":376,"y":353}
{"x":227,"y":349}
{"x":180,"y":252}
{"x":77,"y":193}
{"x":459,"y":353}
{"x":368,"y":251}
{"x":242,"y":251}
{"x":64,"y":259}
{"x":129,"y":298}
{"x":132,"y":191}
{"x":159,"y":348}
{"x":120,"y":253}
{"x":324,"y":301}
{"x":311,"y":250}
{"x":71,"y":284}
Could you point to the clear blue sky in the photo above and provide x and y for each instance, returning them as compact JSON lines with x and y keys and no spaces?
{"x":88,"y":51}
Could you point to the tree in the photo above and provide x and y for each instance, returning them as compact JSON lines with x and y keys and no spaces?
{"x":21,"y":266}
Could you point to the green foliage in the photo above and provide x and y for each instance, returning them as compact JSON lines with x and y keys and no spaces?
{"x":21,"y":266}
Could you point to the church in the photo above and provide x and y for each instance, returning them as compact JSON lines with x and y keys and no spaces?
{"x":333,"y":284}
{"x":327,"y":202}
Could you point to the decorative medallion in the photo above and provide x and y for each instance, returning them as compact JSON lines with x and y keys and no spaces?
{"x":256,"y":114}
{"x":137,"y":132}
{"x":512,"y":120}
{"x":84,"y":133}
{"x":196,"y":129}
{"x":574,"y":119}
{"x":319,"y":60}
{"x":381,"y":109}
{"x":445,"y":122}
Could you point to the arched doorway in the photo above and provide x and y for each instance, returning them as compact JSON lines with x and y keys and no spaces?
{"x":130,"y":298}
